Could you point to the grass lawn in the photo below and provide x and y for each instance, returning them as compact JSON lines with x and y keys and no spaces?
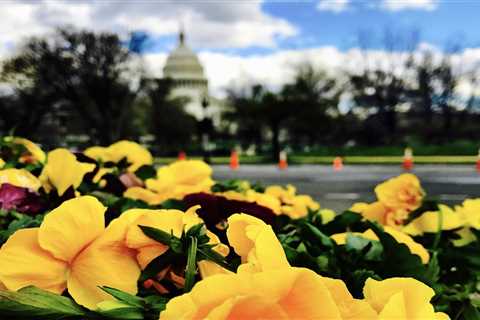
{"x":347,"y":160}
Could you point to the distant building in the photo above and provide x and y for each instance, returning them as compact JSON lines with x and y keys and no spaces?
{"x":185,"y":69}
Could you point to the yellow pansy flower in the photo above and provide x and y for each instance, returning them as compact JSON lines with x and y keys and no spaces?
{"x":264,"y":200}
{"x":401,"y":298}
{"x":174,"y":222}
{"x":181,"y":178}
{"x":466,"y":237}
{"x":72,"y":250}
{"x":327,"y":215}
{"x":286,"y":195}
{"x":63,"y":170}
{"x":169,"y":220}
{"x":262,"y":296}
{"x":36,"y":153}
{"x":2,"y":163}
{"x":293,"y":205}
{"x":97,"y":153}
{"x":145,"y":195}
{"x":470,"y":210}
{"x":209,"y":268}
{"x":20,"y":178}
{"x":135,"y":154}
{"x":256,"y":243}
{"x":100,"y":173}
{"x":430,"y":221}
{"x":400,"y":237}
{"x":375,"y":211}
{"x":300,"y":206}
{"x":402,"y":192}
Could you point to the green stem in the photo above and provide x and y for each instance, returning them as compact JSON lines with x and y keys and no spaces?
{"x":191,"y":269}
{"x":438,"y":235}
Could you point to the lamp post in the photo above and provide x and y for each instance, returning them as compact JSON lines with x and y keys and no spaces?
{"x":205,"y":127}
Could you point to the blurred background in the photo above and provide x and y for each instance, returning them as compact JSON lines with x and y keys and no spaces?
{"x":314,"y":78}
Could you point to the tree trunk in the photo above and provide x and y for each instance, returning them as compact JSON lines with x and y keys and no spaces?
{"x":275,"y":141}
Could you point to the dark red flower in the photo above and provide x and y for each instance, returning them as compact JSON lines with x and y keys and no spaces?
{"x":216,"y":209}
{"x":20,"y":199}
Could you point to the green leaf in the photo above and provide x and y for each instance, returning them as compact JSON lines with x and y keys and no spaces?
{"x":471,"y":313}
{"x":33,"y":303}
{"x":198,"y":231}
{"x":173,"y":204}
{"x":21,"y":221}
{"x":433,"y":268}
{"x":130,"y":313}
{"x":398,"y":261}
{"x":208,"y":254}
{"x":372,"y":248}
{"x":156,"y":234}
{"x":124,"y":296}
{"x":158,"y":264}
{"x":155,"y":304}
{"x":316,"y":236}
{"x":348,"y":220}
{"x":107,"y":199}
{"x":163,"y":237}
{"x":145,"y":172}
{"x":191,"y":268}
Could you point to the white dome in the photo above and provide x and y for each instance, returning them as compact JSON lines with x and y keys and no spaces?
{"x":183,"y":63}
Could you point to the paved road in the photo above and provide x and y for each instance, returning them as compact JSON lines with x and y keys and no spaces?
{"x":338,"y":190}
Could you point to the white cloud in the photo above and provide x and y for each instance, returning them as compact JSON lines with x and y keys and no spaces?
{"x":398,"y":5}
{"x":213,"y":24}
{"x":275,"y":69}
{"x":333,"y":5}
{"x":228,"y":70}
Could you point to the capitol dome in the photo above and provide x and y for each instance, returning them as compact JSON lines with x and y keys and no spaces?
{"x":182,"y":65}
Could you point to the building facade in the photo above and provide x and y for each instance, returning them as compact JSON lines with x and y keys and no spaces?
{"x":189,"y":80}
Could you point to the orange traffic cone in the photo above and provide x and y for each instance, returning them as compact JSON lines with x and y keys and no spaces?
{"x":234,"y":161}
{"x":407,"y":159}
{"x":337,"y":164}
{"x":478,"y":161}
{"x":282,"y":160}
{"x":182,"y":155}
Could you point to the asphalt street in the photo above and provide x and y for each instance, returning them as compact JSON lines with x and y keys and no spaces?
{"x":449,"y":184}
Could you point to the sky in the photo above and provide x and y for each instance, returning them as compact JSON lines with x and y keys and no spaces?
{"x":240,"y":42}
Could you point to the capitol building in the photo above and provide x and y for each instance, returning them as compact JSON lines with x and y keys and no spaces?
{"x":189,"y":80}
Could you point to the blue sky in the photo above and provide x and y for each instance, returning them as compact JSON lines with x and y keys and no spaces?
{"x":446,"y":22}
{"x":450,"y":20}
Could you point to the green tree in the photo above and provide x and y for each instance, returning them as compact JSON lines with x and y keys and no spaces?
{"x":84,"y":71}
{"x":172,"y":126}
{"x":258,"y":110}
{"x":314,"y":96}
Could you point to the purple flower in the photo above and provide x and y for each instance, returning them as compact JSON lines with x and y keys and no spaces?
{"x":216,"y":209}
{"x":20,"y":199}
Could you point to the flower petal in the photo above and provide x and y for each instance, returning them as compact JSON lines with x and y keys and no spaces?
{"x":168,"y":220}
{"x":300,"y":289}
{"x":136,"y":155}
{"x":148,"y":196}
{"x":20,"y":178}
{"x":23,"y":263}
{"x":404,"y":298}
{"x":71,"y":227}
{"x":32,"y":147}
{"x":105,"y":262}
{"x":256,"y":243}
{"x":63,"y":170}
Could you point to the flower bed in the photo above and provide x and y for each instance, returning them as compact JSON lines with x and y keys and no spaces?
{"x":104,"y":235}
